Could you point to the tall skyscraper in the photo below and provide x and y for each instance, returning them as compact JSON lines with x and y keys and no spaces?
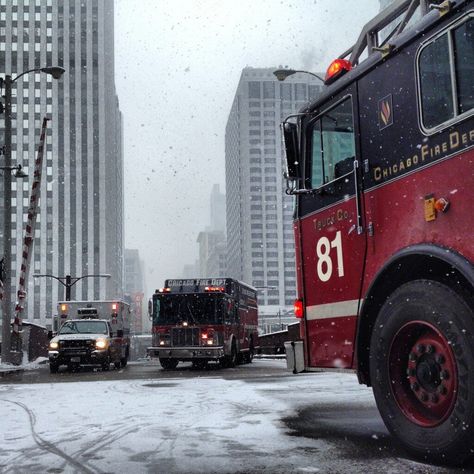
{"x":212,"y":241}
{"x":260,"y":242}
{"x":80,"y":226}
{"x":134,"y":288}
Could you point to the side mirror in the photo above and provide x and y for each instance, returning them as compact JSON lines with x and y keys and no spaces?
{"x":290,"y":142}
{"x":50,"y":335}
{"x":150,"y":308}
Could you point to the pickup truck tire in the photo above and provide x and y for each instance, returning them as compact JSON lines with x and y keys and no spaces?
{"x":168,"y":364}
{"x":106,"y":364}
{"x":124,"y":360}
{"x":53,"y":368}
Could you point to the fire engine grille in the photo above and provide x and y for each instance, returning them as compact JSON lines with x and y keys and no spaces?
{"x":76,"y":344}
{"x":185,"y":337}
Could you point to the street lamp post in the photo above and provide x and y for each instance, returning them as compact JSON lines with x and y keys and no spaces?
{"x":282,"y":74}
{"x":56,"y":72}
{"x":68,"y":281}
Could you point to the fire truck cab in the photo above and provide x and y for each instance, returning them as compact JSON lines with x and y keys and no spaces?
{"x":382,"y":170}
{"x":203,"y":320}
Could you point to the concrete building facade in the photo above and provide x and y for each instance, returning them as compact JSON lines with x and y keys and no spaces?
{"x":260,"y":241}
{"x":80,"y":227}
{"x":135,"y":292}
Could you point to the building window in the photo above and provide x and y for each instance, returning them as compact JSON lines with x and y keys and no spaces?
{"x":254,"y":90}
{"x":268,"y":90}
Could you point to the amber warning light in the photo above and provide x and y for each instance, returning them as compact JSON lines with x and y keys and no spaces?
{"x":298,"y":308}
{"x":64,"y":308}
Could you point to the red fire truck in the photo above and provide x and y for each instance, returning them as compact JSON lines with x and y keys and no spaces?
{"x":202,"y":320}
{"x":382,"y":170}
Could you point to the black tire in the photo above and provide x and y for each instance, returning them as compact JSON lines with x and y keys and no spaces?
{"x":168,"y":364}
{"x":53,"y":368}
{"x":124,"y":360}
{"x":117,"y":364}
{"x":231,"y":360}
{"x":249,"y":355}
{"x":422,"y":370}
{"x":106,"y":364}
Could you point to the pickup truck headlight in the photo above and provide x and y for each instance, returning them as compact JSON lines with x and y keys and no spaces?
{"x":54,"y":345}
{"x":101,"y":344}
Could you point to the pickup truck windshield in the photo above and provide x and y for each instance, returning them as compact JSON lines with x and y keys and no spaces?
{"x":84,"y":327}
{"x":194,"y":309}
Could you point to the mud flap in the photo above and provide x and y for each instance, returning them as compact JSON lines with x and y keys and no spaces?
{"x":294,"y":356}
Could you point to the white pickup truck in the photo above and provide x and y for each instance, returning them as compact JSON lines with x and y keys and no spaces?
{"x":90,"y":333}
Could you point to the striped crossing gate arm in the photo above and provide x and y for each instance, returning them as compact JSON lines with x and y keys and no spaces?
{"x":30,"y":228}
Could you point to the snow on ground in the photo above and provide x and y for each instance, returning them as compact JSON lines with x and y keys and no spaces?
{"x":6,"y":367}
{"x":193,"y":425}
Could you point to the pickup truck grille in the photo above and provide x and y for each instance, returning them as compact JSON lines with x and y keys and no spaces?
{"x":77,"y":344}
{"x":185,"y":337}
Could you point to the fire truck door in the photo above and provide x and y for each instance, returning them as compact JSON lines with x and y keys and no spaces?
{"x":331,"y":237}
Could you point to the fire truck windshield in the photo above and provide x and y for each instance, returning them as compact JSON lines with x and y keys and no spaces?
{"x":83,"y":327}
{"x":191,"y":308}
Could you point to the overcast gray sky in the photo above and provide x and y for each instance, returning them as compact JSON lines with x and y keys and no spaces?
{"x":177,"y":65}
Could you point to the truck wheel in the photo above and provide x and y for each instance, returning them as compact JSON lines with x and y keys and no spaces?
{"x":232,"y":359}
{"x":117,"y":364}
{"x":422,"y":370}
{"x":168,"y":364}
{"x":53,"y":368}
{"x":124,"y":360}
{"x":248,"y":356}
{"x":106,"y":364}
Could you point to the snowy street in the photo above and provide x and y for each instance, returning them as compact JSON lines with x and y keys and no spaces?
{"x":223,"y":421}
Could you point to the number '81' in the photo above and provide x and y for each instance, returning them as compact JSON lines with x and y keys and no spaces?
{"x":323,"y":252}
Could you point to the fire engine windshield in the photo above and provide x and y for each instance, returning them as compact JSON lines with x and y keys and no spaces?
{"x":193,"y":309}
{"x":83,"y":327}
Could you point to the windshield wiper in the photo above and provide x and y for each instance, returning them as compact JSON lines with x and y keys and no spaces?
{"x":193,"y":319}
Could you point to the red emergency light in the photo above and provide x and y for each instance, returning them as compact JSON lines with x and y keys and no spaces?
{"x":337,"y":69}
{"x":298,"y":308}
{"x":214,"y":288}
{"x":163,"y":290}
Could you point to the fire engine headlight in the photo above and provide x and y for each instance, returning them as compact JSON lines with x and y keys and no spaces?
{"x":53,"y":345}
{"x":163,"y":340}
{"x":101,"y":344}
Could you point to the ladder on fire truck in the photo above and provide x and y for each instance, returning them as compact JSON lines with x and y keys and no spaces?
{"x":393,"y":20}
{"x":29,"y":235}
